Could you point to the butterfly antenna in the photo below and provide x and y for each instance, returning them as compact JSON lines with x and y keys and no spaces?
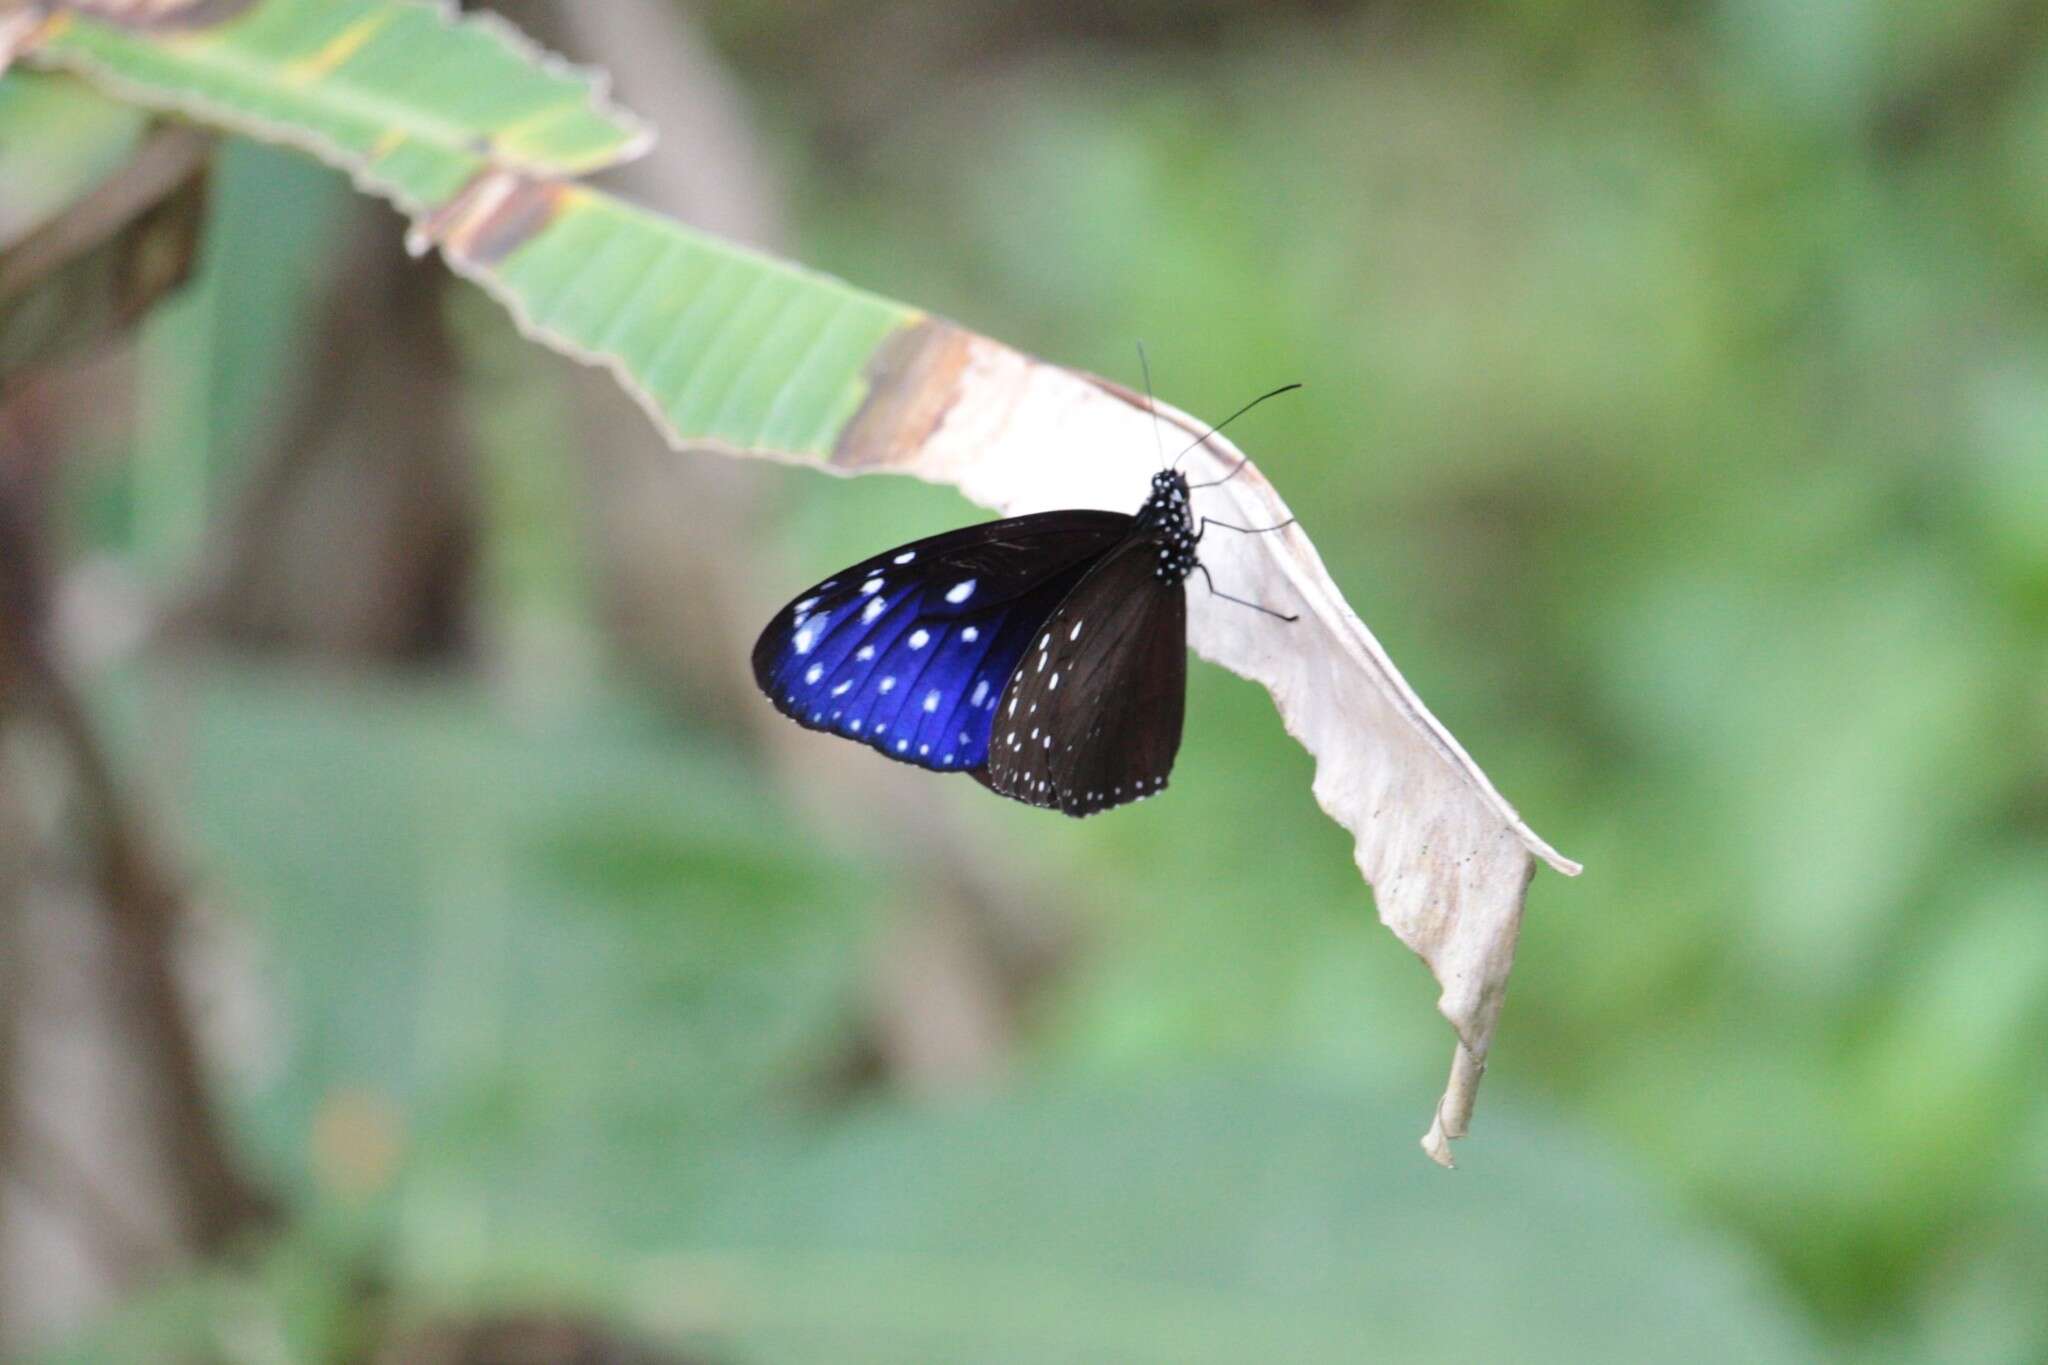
{"x":1151,"y":404}
{"x":1275,"y":393}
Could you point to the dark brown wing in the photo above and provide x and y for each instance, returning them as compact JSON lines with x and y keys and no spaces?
{"x":1092,"y":716}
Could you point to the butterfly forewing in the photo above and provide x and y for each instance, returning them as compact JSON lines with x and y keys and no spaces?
{"x":910,"y":652}
{"x":1092,"y":717}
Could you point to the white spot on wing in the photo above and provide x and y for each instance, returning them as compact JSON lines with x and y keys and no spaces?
{"x":864,"y":653}
{"x":1054,"y":685}
{"x":905,"y":557}
{"x":971,"y":634}
{"x":920,"y":638}
{"x":980,"y":691}
{"x":960,"y":591}
{"x":871,"y":587}
{"x":843,"y":688}
{"x":1075,"y":633}
{"x":813,"y":673}
{"x":931,"y":701}
{"x":805,"y":638}
{"x":874,"y":609}
{"x":888,"y":684}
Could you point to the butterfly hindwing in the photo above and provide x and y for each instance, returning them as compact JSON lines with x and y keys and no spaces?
{"x":1092,"y":717}
{"x":910,"y":652}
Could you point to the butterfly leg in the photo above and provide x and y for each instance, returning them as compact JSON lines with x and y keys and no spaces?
{"x":1280,"y":615}
{"x":1207,"y":522}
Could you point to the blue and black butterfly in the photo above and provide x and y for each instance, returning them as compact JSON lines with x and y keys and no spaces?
{"x":1045,"y":655}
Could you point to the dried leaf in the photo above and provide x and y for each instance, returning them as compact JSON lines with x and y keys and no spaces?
{"x":1447,"y":856}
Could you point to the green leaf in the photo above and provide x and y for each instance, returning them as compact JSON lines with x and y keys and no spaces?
{"x":410,"y":99}
{"x":722,"y":346}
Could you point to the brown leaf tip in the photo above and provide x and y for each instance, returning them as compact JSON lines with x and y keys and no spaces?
{"x":492,"y":216}
{"x":914,"y":379}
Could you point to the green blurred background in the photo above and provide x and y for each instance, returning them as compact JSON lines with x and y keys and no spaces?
{"x":1676,"y":414}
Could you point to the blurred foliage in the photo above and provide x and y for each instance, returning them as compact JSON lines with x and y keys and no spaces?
{"x":1675,"y":415}
{"x":522,"y":936}
{"x":1677,"y":424}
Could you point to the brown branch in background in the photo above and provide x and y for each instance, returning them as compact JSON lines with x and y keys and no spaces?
{"x":142,"y":900}
{"x":33,"y":1169}
{"x":86,"y":277}
{"x":41,"y":1168}
{"x":145,"y":904}
{"x":14,"y":842}
{"x":164,"y":164}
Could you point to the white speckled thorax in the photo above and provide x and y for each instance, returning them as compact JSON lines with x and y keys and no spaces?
{"x":1166,"y":519}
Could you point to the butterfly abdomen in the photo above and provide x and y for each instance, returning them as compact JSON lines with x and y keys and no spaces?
{"x":1165,"y":517}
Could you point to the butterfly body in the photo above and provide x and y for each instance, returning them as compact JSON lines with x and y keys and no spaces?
{"x":1045,"y":655}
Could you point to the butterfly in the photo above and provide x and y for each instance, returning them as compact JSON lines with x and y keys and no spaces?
{"x":1044,"y":655}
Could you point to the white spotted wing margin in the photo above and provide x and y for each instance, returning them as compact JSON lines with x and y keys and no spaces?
{"x":1092,"y":718}
{"x":910,"y":652}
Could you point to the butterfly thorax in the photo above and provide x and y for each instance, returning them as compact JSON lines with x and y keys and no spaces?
{"x":1166,"y":521}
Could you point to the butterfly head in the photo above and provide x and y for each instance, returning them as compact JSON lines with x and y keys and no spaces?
{"x":1166,"y":519}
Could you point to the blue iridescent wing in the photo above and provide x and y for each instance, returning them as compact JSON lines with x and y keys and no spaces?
{"x":909,"y":652}
{"x":1092,"y":716}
